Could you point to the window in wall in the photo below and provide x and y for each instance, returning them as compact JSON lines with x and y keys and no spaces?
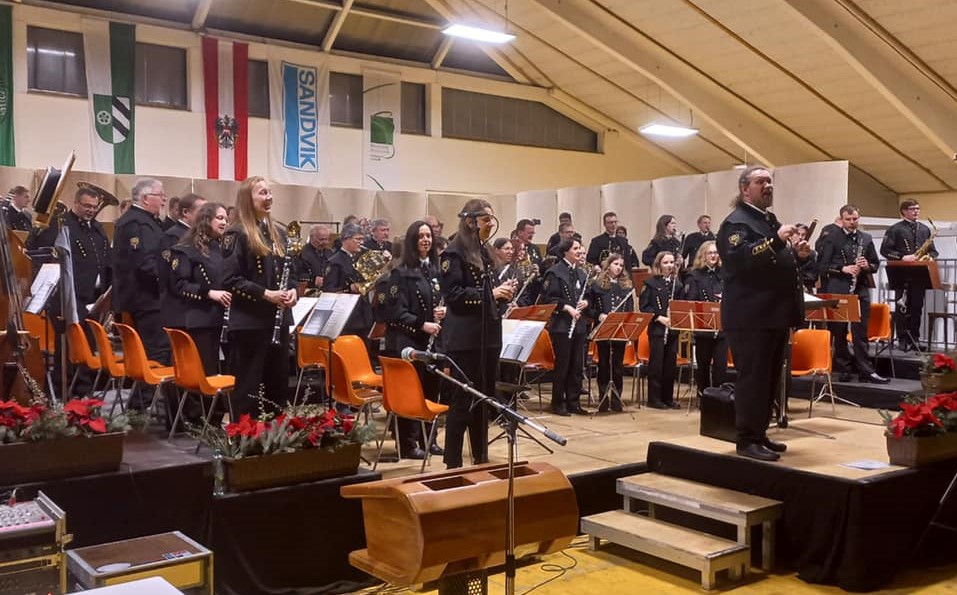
{"x":161,"y":76}
{"x":258,"y":86}
{"x":345,"y":100}
{"x":490,"y":118}
{"x":414,"y":114}
{"x":55,"y":61}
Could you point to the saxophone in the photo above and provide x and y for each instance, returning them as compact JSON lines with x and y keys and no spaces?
{"x":923,"y":252}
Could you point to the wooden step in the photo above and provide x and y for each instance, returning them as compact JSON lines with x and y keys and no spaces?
{"x":705,"y":553}
{"x":728,"y":506}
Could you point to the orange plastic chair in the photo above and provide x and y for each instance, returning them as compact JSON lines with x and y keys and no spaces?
{"x":190,"y":377}
{"x":109,"y":363}
{"x":312,"y":353}
{"x":540,"y":362}
{"x":80,"y":354}
{"x":349,"y":391}
{"x":402,"y":396}
{"x":137,"y":365}
{"x":39,"y":326}
{"x":643,"y":353}
{"x":353,"y":349}
{"x":811,"y":356}
{"x":879,"y":331}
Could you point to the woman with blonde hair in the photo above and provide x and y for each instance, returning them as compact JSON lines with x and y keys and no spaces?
{"x":255,"y":249}
{"x":704,"y":284}
{"x":611,"y":291}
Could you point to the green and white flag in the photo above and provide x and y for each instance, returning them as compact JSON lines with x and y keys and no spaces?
{"x":110,"y":50}
{"x":7,"y":149}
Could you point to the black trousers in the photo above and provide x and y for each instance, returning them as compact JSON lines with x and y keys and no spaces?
{"x":662,"y":368}
{"x":907,"y":325}
{"x":462,"y":416}
{"x":569,"y":366}
{"x":711,"y":355}
{"x":758,"y":358}
{"x":611,"y":355}
{"x":207,"y":343}
{"x":149,"y":325}
{"x":843,"y":360}
{"x":256,"y":363}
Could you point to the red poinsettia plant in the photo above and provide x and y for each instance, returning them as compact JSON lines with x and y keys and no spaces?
{"x":935,"y":415}
{"x":49,"y":420}
{"x":939,"y":363}
{"x":294,"y":428}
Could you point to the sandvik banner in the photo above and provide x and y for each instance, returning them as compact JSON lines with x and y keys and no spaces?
{"x":297,"y":118}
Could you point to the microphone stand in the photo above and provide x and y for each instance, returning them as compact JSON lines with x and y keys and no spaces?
{"x":510,"y":420}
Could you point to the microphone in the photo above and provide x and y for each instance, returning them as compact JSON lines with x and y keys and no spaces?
{"x":410,"y":354}
{"x":473,"y":214}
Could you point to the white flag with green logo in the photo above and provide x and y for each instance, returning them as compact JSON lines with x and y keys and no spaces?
{"x":110,"y":50}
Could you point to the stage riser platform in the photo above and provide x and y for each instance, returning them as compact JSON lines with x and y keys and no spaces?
{"x":875,"y":396}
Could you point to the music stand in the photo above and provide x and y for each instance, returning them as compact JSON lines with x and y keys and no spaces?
{"x":638,"y":278}
{"x":911,"y":275}
{"x":694,"y":316}
{"x":326,"y":321}
{"x":620,"y":327}
{"x":539,"y":312}
{"x":846,"y":308}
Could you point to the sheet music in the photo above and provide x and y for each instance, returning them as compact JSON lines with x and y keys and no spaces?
{"x":330,"y":314}
{"x":519,"y":338}
{"x":302,"y":309}
{"x":43,"y":287}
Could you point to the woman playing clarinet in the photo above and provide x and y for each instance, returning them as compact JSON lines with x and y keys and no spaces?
{"x":704,"y":284}
{"x":255,"y":249}
{"x":472,"y":329}
{"x":411,"y":297}
{"x":611,"y":292}
{"x":197,"y":267}
{"x":662,"y":364}
{"x":564,"y":285}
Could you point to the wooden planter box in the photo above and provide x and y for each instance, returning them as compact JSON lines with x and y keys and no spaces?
{"x":255,"y":473}
{"x":910,"y":451}
{"x":26,"y":462}
{"x":939,"y":383}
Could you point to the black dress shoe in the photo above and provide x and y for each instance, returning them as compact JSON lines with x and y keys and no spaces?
{"x":874,"y":378}
{"x":560,"y":411}
{"x":436,"y":450}
{"x":774,"y":446}
{"x":580,"y":411}
{"x":672,"y":405}
{"x":658,"y":405}
{"x":413,"y":453}
{"x":845,"y":377}
{"x":759,"y":452}
{"x":617,"y":407}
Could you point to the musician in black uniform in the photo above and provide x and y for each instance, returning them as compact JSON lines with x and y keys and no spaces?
{"x":847,"y":261}
{"x":255,"y":251}
{"x":378,"y":238}
{"x":314,"y":258}
{"x":412,"y":298}
{"x":602,"y":246}
{"x":342,"y":277}
{"x":704,"y":284}
{"x":611,"y":291}
{"x":694,"y":240}
{"x":137,"y":244}
{"x":172,"y":306}
{"x":472,"y":330}
{"x":901,"y":241}
{"x":197,"y":268}
{"x":662,"y":362}
{"x":565,"y":285}
{"x":18,"y":218}
{"x":807,"y":271}
{"x":525,"y":231}
{"x":92,"y":270}
{"x":556,"y":237}
{"x":664,"y":240}
{"x":172,"y":214}
{"x":632,"y":262}
{"x":762,"y":301}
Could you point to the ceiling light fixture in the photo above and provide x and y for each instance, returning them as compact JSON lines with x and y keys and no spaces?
{"x":477,"y":34}
{"x":667,"y":130}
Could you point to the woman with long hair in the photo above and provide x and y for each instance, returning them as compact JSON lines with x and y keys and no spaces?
{"x":472,"y":330}
{"x":562,"y":285}
{"x":664,"y":240}
{"x":197,"y":267}
{"x":255,"y":249}
{"x":654,"y":299}
{"x":413,"y":316}
{"x":704,"y":284}
{"x":612,"y":290}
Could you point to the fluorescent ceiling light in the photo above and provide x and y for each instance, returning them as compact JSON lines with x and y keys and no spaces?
{"x":666,"y":130}
{"x":477,"y":34}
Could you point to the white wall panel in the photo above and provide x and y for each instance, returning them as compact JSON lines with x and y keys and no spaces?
{"x":631,"y":201}
{"x":584,"y":203}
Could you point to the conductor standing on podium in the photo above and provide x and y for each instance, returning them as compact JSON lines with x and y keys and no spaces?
{"x":762,"y":301}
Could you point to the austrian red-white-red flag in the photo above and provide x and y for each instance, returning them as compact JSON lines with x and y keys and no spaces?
{"x":225,"y":78}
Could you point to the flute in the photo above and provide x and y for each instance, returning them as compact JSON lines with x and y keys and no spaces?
{"x":581,"y":296}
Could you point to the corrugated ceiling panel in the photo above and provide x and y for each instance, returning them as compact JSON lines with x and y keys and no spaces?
{"x":292,"y":21}
{"x":367,"y":35}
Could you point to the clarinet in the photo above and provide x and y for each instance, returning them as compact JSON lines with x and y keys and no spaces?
{"x":435,"y":288}
{"x":284,"y":280}
{"x":224,"y":334}
{"x":674,"y":284}
{"x":858,"y":253}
